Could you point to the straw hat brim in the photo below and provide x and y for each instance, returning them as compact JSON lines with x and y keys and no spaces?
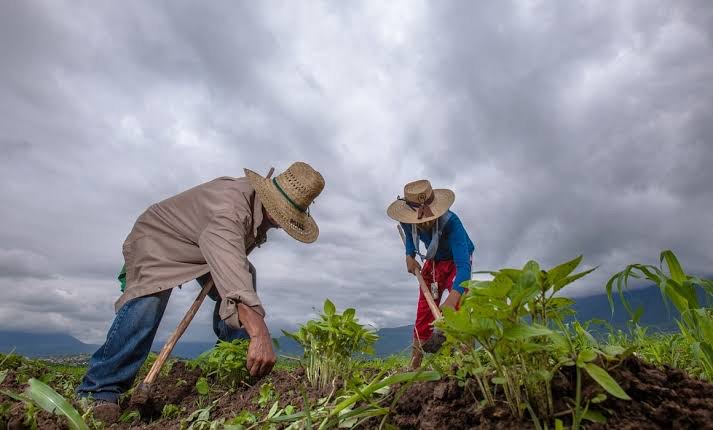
{"x":442,"y":200}
{"x":300,"y":225}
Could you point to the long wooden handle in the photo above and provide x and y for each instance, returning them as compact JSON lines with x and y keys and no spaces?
{"x":435,"y":310}
{"x":171,"y":342}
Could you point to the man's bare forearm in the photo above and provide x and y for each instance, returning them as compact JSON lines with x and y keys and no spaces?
{"x":252,"y":320}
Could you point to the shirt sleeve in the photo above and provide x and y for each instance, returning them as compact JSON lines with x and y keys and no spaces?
{"x":408,"y":240}
{"x":458,"y":242}
{"x":222,"y":244}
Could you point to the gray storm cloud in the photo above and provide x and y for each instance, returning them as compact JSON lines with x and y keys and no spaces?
{"x":564,"y":128}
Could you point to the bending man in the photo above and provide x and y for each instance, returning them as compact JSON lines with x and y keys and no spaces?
{"x":205,"y":232}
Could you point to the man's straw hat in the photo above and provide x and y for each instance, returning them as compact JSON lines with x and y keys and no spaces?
{"x":421,"y":203}
{"x":287,"y":198}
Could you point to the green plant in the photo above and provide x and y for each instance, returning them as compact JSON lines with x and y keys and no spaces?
{"x":240,"y":421}
{"x":681,"y":290}
{"x":171,"y":411}
{"x":342,"y":411}
{"x":200,"y":420}
{"x":330,"y":342}
{"x":41,"y":395}
{"x":517,"y":321}
{"x":129,"y":417}
{"x":267,"y":395}
{"x":579,"y":349}
{"x":225,"y":362}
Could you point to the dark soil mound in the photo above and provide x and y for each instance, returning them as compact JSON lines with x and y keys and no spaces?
{"x":661,"y":399}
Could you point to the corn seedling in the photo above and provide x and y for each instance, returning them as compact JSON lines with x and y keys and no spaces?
{"x":681,"y":290}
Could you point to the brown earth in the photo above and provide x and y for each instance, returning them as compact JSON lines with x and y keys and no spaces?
{"x":662,"y":398}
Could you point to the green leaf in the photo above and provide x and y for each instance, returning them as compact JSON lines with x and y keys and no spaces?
{"x":606,"y":381}
{"x":49,"y":400}
{"x":521,"y":331}
{"x":498,"y":380}
{"x":561,"y":271}
{"x":3,"y":374}
{"x":129,"y":417}
{"x":674,"y":267}
{"x":349,"y":313}
{"x":594,"y":416}
{"x":399,"y":378}
{"x":531,"y":266}
{"x":586,"y":356}
{"x":559,"y":425}
{"x":513,"y":274}
{"x":569,"y":279}
{"x":202,"y":386}
{"x":599,"y":398}
{"x":329,"y":308}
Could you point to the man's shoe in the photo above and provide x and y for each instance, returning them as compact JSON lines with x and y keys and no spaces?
{"x":106,"y":412}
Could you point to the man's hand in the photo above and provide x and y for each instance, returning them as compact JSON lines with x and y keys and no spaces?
{"x":261,"y":357}
{"x":412,"y":264}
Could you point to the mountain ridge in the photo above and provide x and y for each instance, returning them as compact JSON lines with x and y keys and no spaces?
{"x":392,"y":340}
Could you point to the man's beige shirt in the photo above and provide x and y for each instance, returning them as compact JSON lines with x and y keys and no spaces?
{"x":209,"y":228}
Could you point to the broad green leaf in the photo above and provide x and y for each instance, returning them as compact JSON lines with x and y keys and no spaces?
{"x":349,"y":313}
{"x":513,"y":274}
{"x":521,"y":331}
{"x":49,"y":400}
{"x":569,"y":279}
{"x":559,"y":425}
{"x":525,"y":295}
{"x":586,"y":356}
{"x":202,"y":386}
{"x":560,"y":302}
{"x":594,"y":416}
{"x":531,"y":266}
{"x":329,"y":308}
{"x":561,"y":271}
{"x":606,"y":381}
{"x":502,"y":285}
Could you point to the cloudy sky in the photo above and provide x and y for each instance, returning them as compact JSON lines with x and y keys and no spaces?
{"x":564,"y":127}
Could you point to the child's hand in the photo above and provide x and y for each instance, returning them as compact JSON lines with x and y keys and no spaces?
{"x":412,"y":264}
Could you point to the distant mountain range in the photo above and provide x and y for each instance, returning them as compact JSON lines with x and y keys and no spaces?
{"x":393,"y":340}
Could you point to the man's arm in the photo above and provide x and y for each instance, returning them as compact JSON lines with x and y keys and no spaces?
{"x":222,"y":244}
{"x":261,"y":357}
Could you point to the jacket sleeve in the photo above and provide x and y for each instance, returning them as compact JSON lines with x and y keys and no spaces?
{"x":222,"y":243}
{"x":408,"y":240}
{"x":458,"y":242}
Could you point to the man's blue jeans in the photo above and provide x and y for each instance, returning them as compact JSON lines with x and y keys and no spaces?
{"x":114,"y":366}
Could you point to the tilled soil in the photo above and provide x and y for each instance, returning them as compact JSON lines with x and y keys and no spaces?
{"x":662,"y":398}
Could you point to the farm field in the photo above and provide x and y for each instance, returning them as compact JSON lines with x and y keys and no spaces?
{"x":510,"y":361}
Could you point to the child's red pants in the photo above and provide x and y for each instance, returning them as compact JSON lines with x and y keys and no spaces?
{"x":445,"y":272}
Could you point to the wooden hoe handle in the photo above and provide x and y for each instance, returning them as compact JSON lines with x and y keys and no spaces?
{"x":171,"y":342}
{"x":435,"y":310}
